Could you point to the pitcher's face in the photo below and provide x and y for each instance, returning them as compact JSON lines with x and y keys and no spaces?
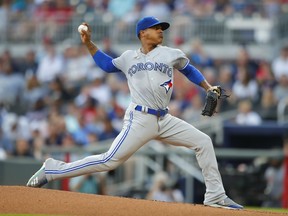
{"x":154,"y":34}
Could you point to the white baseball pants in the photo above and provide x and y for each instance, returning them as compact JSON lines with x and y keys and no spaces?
{"x":138,"y":129}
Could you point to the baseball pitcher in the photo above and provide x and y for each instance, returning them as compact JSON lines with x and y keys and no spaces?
{"x":149,"y":72}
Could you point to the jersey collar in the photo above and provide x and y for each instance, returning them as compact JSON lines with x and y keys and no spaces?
{"x":151,"y":54}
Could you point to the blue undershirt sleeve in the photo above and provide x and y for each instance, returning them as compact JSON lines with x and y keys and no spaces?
{"x":193,"y":74}
{"x":104,"y":61}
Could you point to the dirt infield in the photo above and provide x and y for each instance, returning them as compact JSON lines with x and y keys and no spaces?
{"x":17,"y":199}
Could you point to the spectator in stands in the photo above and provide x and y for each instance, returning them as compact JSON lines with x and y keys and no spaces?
{"x":85,"y":135}
{"x":71,"y":116}
{"x":211,"y":75}
{"x":51,"y":65}
{"x":9,"y":126}
{"x":157,"y":8}
{"x":245,"y":86}
{"x":38,"y":111}
{"x":37,"y":142}
{"x":54,"y":138}
{"x":90,"y":110}
{"x":133,"y":15}
{"x":179,"y":102}
{"x":195,"y":9}
{"x":120,"y":8}
{"x":198,"y":55}
{"x":91,"y":184}
{"x":42,"y":14}
{"x":107,"y":48}
{"x":115,"y":113}
{"x":281,"y":90}
{"x":175,"y":108}
{"x":183,"y":91}
{"x":193,"y":112}
{"x":52,"y":16}
{"x":33,"y":91}
{"x":3,"y":154}
{"x":11,"y":85}
{"x":246,"y":115}
{"x":3,"y":112}
{"x":224,"y":7}
{"x":59,"y":95}
{"x":87,"y":64}
{"x":4,"y":11}
{"x":76,"y":66}
{"x":29,"y":65}
{"x":56,"y":129}
{"x":274,"y":175}
{"x":162,"y":189}
{"x":6,"y":56}
{"x":83,"y":96}
{"x":280,"y":64}
{"x":41,"y":129}
{"x":122,"y":96}
{"x":108,"y":132}
{"x":15,"y":127}
{"x":265,"y":76}
{"x":271,"y":8}
{"x":68,"y":140}
{"x":268,"y":105}
{"x":100,"y":91}
{"x":183,"y":13}
{"x":225,"y":80}
{"x":243,"y":60}
{"x":124,"y":13}
{"x":238,"y":5}
{"x":63,"y":12}
{"x":5,"y":143}
{"x":22,"y":148}
{"x":20,"y":27}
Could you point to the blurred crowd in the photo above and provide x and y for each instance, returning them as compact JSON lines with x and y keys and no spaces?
{"x":62,"y":98}
{"x":53,"y":15}
{"x":52,"y":97}
{"x":132,"y":9}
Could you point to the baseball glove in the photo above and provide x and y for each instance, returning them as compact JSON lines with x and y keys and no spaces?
{"x":212,"y":97}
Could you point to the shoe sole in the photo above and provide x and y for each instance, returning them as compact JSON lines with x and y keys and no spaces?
{"x":224,"y":207}
{"x":28,"y":183}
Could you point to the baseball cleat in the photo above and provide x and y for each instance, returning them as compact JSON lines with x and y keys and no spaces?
{"x":227,"y":203}
{"x":38,"y":179}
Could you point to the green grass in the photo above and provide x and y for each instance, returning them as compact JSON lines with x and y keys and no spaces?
{"x":281,"y":210}
{"x":19,"y":215}
{"x":28,"y":215}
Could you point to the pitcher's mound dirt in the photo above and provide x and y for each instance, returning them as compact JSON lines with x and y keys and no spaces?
{"x":24,"y":200}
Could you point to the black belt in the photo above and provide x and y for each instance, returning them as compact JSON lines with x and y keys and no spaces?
{"x":158,"y":113}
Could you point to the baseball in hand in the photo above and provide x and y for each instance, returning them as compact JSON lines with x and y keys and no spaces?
{"x":82,"y":28}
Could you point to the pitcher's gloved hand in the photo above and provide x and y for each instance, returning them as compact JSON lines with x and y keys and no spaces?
{"x":213,"y":95}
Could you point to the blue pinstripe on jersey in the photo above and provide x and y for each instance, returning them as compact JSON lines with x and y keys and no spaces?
{"x":99,"y":161}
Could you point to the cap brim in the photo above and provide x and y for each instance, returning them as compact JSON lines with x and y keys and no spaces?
{"x":164,"y":25}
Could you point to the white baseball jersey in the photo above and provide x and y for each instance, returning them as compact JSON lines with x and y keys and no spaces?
{"x":150,"y":79}
{"x":150,"y":76}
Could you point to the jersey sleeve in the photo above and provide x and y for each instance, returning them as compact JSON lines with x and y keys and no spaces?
{"x":180,"y":60}
{"x":104,"y":61}
{"x":120,"y":61}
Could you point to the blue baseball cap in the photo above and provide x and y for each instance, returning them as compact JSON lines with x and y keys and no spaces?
{"x":148,"y":22}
